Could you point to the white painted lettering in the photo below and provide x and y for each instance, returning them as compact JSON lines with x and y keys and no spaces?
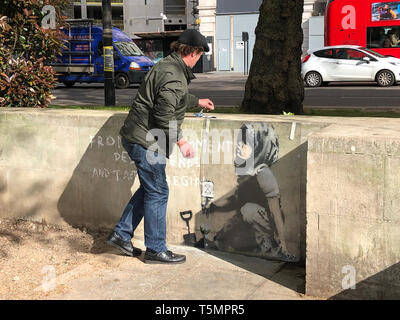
{"x":110,"y":141}
{"x":100,"y":141}
{"x":116,"y":172}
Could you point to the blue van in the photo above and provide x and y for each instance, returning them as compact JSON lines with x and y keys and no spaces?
{"x":82,"y":60}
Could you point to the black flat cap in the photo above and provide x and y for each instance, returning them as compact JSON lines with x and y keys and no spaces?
{"x":193,"y":38}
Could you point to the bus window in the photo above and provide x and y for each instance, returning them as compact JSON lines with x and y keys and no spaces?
{"x":394,"y":37}
{"x":383,"y":37}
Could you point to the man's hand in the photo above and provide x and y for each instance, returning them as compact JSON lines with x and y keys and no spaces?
{"x":206,"y":104}
{"x":186,"y":149}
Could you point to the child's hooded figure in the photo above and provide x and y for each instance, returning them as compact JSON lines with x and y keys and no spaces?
{"x":257,"y":226}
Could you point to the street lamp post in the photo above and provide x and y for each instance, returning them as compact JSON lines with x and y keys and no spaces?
{"x":109,"y":88}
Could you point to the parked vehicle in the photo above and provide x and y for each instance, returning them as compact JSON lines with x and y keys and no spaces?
{"x":83,"y":59}
{"x":372,"y":24}
{"x":349,"y":63}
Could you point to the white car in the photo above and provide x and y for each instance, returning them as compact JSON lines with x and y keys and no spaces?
{"x":349,"y":63}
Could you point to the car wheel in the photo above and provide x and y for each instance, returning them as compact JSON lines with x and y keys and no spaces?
{"x":313,"y":79}
{"x":121,"y":81}
{"x":385,"y":78}
{"x":69,"y":84}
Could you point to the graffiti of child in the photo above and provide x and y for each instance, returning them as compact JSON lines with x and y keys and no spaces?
{"x":258,"y":225}
{"x":257,"y":216}
{"x":271,"y":242}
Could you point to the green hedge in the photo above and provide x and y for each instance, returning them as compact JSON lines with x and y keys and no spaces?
{"x":25,"y":49}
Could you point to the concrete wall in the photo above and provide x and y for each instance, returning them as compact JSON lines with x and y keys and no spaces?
{"x":353,"y":213}
{"x":70,"y":167}
{"x":337,"y":180}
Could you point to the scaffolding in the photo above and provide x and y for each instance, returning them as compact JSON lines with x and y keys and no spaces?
{"x":70,"y":43}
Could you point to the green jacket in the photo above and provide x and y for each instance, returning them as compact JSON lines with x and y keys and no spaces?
{"x":160,"y":104}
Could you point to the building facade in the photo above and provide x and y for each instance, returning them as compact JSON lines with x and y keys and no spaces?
{"x":313,"y":24}
{"x":221,"y":21}
{"x":207,"y":10}
{"x":92,"y":9}
{"x":233,"y":17}
{"x":145,"y":16}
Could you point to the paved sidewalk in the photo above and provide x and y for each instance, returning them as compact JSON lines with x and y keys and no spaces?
{"x":204,"y":276}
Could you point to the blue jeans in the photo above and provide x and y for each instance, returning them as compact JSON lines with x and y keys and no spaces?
{"x":149,"y":201}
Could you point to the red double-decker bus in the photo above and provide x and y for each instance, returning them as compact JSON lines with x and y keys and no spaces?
{"x":372,"y":24}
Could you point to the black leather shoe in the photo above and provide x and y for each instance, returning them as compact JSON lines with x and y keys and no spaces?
{"x":163,"y":257}
{"x":126,"y":247}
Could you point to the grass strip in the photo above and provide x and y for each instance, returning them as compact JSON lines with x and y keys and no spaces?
{"x":236,"y":110}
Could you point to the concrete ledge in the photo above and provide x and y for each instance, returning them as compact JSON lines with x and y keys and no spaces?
{"x":338,"y":175}
{"x":69,"y":166}
{"x":353,"y":213}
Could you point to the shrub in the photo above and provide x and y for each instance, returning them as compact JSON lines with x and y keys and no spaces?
{"x":25,"y":49}
{"x":24,"y":83}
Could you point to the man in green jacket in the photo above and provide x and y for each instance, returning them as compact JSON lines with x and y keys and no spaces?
{"x":150,"y":131}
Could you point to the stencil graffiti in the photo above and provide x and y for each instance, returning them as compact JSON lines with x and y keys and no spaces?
{"x":257,"y":225}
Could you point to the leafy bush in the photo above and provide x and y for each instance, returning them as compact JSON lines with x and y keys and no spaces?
{"x":29,"y":84}
{"x":25,"y":49}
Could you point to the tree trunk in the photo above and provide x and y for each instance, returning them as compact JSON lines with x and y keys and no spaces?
{"x":274,"y":84}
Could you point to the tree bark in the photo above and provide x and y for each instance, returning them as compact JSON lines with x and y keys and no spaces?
{"x":274,"y":84}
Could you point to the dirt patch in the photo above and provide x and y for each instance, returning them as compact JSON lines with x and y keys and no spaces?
{"x":32,"y":253}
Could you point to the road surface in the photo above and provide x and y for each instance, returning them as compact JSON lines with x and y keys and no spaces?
{"x":227,"y":89}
